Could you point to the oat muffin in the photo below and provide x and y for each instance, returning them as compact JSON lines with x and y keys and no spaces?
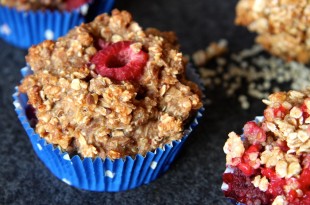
{"x":269,"y":163}
{"x":110,"y":89}
{"x":33,"y":5}
{"x":26,"y":23}
{"x":108,"y":106}
{"x":282,"y":26}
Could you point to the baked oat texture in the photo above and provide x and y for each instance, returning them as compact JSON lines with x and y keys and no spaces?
{"x":282,"y":26}
{"x":84,"y":112}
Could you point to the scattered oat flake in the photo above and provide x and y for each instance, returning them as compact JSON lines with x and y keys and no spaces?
{"x":250,"y":73}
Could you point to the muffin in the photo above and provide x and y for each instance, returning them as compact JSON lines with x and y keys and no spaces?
{"x":269,"y":163}
{"x":110,"y":93}
{"x":282,"y":26}
{"x":25,"y":23}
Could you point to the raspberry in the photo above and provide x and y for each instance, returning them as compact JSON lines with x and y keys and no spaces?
{"x":254,"y":133}
{"x":276,"y":184}
{"x":249,"y":162}
{"x":73,"y":4}
{"x":306,"y":161}
{"x":292,"y":195}
{"x":102,"y":44}
{"x":250,"y":156}
{"x":246,"y":169}
{"x":304,"y":110}
{"x":269,"y":173}
{"x":271,"y":113}
{"x":242,"y":190}
{"x":283,"y":145}
{"x":119,"y":62}
{"x":305,"y":200}
{"x":304,"y":180}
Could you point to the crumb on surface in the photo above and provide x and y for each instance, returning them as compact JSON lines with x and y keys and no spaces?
{"x":250,"y":74}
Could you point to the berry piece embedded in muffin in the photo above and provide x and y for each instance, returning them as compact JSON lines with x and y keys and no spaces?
{"x":120,"y":61}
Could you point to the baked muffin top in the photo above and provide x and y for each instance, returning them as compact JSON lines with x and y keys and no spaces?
{"x":110,"y":89}
{"x":33,"y":5}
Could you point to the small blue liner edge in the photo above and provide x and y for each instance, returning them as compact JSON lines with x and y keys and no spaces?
{"x":26,"y":28}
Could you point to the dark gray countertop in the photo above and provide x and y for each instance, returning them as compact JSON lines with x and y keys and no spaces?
{"x":194,"y":178}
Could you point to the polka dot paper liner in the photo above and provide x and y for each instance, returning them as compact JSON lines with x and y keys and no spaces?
{"x":26,"y":28}
{"x":103,"y":175}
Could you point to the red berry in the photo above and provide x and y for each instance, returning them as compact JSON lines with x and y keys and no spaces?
{"x":271,"y":113}
{"x":102,"y":44}
{"x":276,"y":186}
{"x":304,"y":180}
{"x":242,"y":190}
{"x":246,"y":169}
{"x":73,"y":4}
{"x":306,"y":161}
{"x":304,"y":200}
{"x":291,"y":195}
{"x":283,"y":145}
{"x":280,"y":111}
{"x":269,"y":173}
{"x":254,"y":133}
{"x":119,"y":62}
{"x":253,"y":149}
{"x":304,"y":110}
{"x":250,"y":156}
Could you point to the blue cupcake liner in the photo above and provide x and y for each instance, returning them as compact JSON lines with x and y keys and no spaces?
{"x":26,"y":28}
{"x":230,"y":169}
{"x":97,"y":174}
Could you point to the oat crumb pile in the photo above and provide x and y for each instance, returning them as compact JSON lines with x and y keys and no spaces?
{"x":249,"y":73}
{"x":93,"y":115}
{"x":282,"y":26}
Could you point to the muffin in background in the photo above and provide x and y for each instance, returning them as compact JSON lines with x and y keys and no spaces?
{"x":269,"y":162}
{"x":26,"y":23}
{"x":282,"y":26}
{"x":110,"y":103}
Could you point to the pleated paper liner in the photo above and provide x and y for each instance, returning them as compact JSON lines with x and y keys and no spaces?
{"x":26,"y":28}
{"x":230,"y":169}
{"x":97,"y":174}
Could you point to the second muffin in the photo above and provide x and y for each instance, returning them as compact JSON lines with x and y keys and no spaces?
{"x":26,"y":23}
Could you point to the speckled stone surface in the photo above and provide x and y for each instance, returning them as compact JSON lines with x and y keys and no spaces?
{"x":194,"y":178}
